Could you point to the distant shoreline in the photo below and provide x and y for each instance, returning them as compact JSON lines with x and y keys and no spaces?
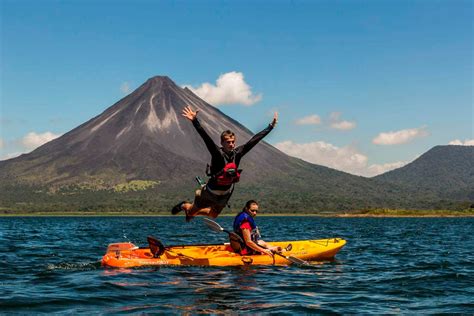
{"x":401,"y":216}
{"x":362,"y":214}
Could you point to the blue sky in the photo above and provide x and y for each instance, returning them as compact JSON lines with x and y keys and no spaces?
{"x":361,"y":86}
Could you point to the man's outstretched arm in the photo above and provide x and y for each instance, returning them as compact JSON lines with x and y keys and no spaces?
{"x":259,"y":136}
{"x":192,"y":116}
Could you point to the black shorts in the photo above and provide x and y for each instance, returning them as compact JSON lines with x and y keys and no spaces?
{"x":205,"y":199}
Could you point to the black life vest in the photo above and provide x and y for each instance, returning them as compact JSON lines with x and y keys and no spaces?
{"x":229,"y":174}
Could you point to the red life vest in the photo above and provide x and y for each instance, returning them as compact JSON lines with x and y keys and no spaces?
{"x":228,"y":175}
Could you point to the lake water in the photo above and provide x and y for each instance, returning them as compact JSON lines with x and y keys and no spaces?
{"x":389,"y":265}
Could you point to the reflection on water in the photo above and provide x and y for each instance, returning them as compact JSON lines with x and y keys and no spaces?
{"x":52,"y":265}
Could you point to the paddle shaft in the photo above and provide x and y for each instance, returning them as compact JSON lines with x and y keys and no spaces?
{"x":282,"y":255}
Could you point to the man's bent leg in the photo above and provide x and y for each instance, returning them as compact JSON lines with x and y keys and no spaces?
{"x":205,"y":204}
{"x":191,"y":209}
{"x":213,"y":213}
{"x":203,"y":211}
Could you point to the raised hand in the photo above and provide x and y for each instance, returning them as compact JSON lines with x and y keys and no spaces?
{"x":275,"y":119}
{"x":189,"y":113}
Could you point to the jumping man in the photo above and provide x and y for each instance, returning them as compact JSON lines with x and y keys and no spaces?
{"x":224,"y":172}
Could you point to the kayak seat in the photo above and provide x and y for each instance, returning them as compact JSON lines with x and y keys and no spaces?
{"x":236,"y":242}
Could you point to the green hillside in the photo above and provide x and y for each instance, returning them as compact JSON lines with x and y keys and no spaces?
{"x":447,"y":171}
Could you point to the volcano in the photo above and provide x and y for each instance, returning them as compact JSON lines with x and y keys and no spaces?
{"x":143,"y":136}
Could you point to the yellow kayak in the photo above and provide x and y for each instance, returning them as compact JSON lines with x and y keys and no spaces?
{"x":127,"y":255}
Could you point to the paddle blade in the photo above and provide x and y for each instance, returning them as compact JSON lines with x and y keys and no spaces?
{"x":294,"y":260}
{"x":298,"y":261}
{"x":156,"y":247}
{"x":213,"y":225}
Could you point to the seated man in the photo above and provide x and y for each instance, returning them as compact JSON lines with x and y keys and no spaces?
{"x":245,"y":227}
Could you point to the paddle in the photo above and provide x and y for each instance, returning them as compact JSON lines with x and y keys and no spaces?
{"x":218,"y":228}
{"x":157,"y":248}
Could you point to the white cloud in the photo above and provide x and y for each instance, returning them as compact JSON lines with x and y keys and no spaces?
{"x":309,"y":120}
{"x":230,"y":88}
{"x":334,"y":121}
{"x":11,"y":155}
{"x":337,"y":123}
{"x":125,"y":87}
{"x":347,"y":158}
{"x":33,"y":140}
{"x":375,"y":169}
{"x":400,"y":137}
{"x":343,"y":125}
{"x":467,"y":142}
{"x":24,"y":145}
